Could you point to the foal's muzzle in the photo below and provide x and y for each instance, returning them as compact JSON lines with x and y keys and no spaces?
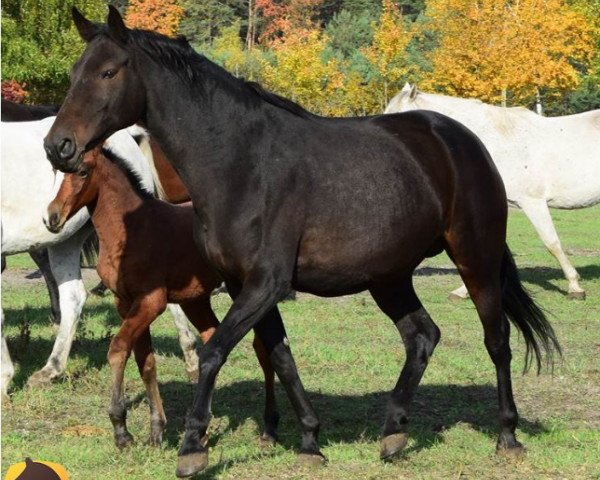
{"x":53,"y":223}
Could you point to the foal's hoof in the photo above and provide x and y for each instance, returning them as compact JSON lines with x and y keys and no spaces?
{"x":124,"y":441}
{"x":392,"y":445}
{"x":310,"y":460}
{"x":577,"y":295}
{"x":267,"y":440}
{"x":190,"y":464}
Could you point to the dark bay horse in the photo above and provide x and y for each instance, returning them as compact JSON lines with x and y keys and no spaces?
{"x":147,"y":258}
{"x":283,"y":198}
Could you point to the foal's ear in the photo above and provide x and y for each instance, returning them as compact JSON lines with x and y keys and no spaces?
{"x":87,"y":30}
{"x":116,"y":27}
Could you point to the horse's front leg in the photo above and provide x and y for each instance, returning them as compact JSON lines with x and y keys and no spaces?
{"x":137,"y":317}
{"x":260,"y":293}
{"x":64,"y":261}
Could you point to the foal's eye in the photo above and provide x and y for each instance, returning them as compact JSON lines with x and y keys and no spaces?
{"x":109,"y":73}
{"x":83,"y":173}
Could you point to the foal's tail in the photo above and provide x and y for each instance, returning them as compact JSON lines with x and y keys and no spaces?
{"x":526,"y":316}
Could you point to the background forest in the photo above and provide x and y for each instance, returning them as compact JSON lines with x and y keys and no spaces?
{"x":340,"y":57}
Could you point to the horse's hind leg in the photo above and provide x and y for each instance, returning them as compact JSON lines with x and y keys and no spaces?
{"x":538,"y":214}
{"x":481,"y":273}
{"x":420,"y":336}
{"x":8,"y":369}
{"x":144,"y":357}
{"x":187,"y":341}
{"x":42,"y":260}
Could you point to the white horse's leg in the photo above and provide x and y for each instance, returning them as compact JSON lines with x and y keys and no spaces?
{"x":187,"y":340}
{"x":539,"y":215}
{"x":7,"y":366}
{"x":64,"y":261}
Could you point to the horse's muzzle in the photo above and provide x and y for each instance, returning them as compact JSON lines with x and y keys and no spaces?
{"x":53,"y":222}
{"x":62,"y":154}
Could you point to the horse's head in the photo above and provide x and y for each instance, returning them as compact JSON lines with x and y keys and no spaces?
{"x":75,"y":191}
{"x":106,"y":93}
{"x":406,"y":100}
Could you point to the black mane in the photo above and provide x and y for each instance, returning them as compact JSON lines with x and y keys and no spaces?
{"x":133,"y":178}
{"x":178,"y":56}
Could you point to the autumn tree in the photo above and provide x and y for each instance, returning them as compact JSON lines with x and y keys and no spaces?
{"x":40,"y":44}
{"x":490,"y":47}
{"x":162,"y":16}
{"x":286,"y":17}
{"x":388,"y":52}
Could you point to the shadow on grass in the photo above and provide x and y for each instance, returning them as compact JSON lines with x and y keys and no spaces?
{"x":541,"y":276}
{"x":344,"y":418}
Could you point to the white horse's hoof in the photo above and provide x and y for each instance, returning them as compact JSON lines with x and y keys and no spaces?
{"x":455,"y":297}
{"x":577,"y":295}
{"x":40,"y":378}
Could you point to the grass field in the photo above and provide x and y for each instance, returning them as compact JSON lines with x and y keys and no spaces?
{"x":349,"y":356}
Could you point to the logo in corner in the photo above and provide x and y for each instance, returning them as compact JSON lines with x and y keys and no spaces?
{"x":36,"y":470}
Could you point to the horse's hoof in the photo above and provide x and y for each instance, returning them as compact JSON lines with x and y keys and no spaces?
{"x":39,"y":379}
{"x":577,"y":295}
{"x":154,"y":440}
{"x":310,"y":460}
{"x":392,"y":445}
{"x":455,"y":298}
{"x":124,"y":441}
{"x":514,"y":453}
{"x":190,"y":464}
{"x":193,"y":375}
{"x":267,"y":440}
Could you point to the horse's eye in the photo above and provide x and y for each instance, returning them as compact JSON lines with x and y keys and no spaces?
{"x":83,"y":173}
{"x":109,"y":73}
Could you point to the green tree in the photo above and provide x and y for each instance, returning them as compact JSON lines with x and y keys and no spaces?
{"x":40,"y":44}
{"x":203,"y":20}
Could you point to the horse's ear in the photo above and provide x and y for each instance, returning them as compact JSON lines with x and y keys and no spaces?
{"x":414,"y":91}
{"x":116,"y":27}
{"x":87,"y":30}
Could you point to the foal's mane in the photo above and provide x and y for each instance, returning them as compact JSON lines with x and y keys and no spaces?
{"x":134,"y":179}
{"x":177,"y":55}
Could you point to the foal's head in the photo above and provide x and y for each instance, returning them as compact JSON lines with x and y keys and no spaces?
{"x":77,"y":190}
{"x":106,"y":93}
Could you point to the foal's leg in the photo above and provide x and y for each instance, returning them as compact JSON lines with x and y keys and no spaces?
{"x":204,"y":319}
{"x":187,"y":340}
{"x":539,"y":215}
{"x":144,"y":357}
{"x":261,"y":292}
{"x":8,"y":370}
{"x":137,"y":317}
{"x":420,"y":336}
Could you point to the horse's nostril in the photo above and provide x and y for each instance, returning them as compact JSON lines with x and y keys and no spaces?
{"x":66,"y":149}
{"x":53,"y":219}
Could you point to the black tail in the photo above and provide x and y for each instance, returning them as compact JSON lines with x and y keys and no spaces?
{"x":526,"y":316}
{"x":89,"y":252}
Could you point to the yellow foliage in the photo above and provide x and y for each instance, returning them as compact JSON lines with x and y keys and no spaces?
{"x":490,"y":46}
{"x":387,"y":53}
{"x":162,"y":16}
{"x":300,"y":72}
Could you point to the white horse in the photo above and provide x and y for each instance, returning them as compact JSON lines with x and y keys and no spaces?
{"x":544,"y":161}
{"x":28,"y":184}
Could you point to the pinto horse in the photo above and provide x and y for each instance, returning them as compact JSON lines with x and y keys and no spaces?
{"x":332,"y":206}
{"x":147,"y":258}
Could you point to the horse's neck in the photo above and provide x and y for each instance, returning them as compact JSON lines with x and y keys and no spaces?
{"x":206,"y":131}
{"x":116,"y":199}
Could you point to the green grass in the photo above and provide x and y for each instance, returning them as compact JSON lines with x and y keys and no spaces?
{"x":349,"y":357}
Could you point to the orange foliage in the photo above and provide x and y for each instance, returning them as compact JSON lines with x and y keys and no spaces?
{"x":490,"y":46}
{"x":284,"y":17}
{"x":162,"y":16}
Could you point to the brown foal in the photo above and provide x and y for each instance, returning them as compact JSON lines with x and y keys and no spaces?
{"x":147,"y":259}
